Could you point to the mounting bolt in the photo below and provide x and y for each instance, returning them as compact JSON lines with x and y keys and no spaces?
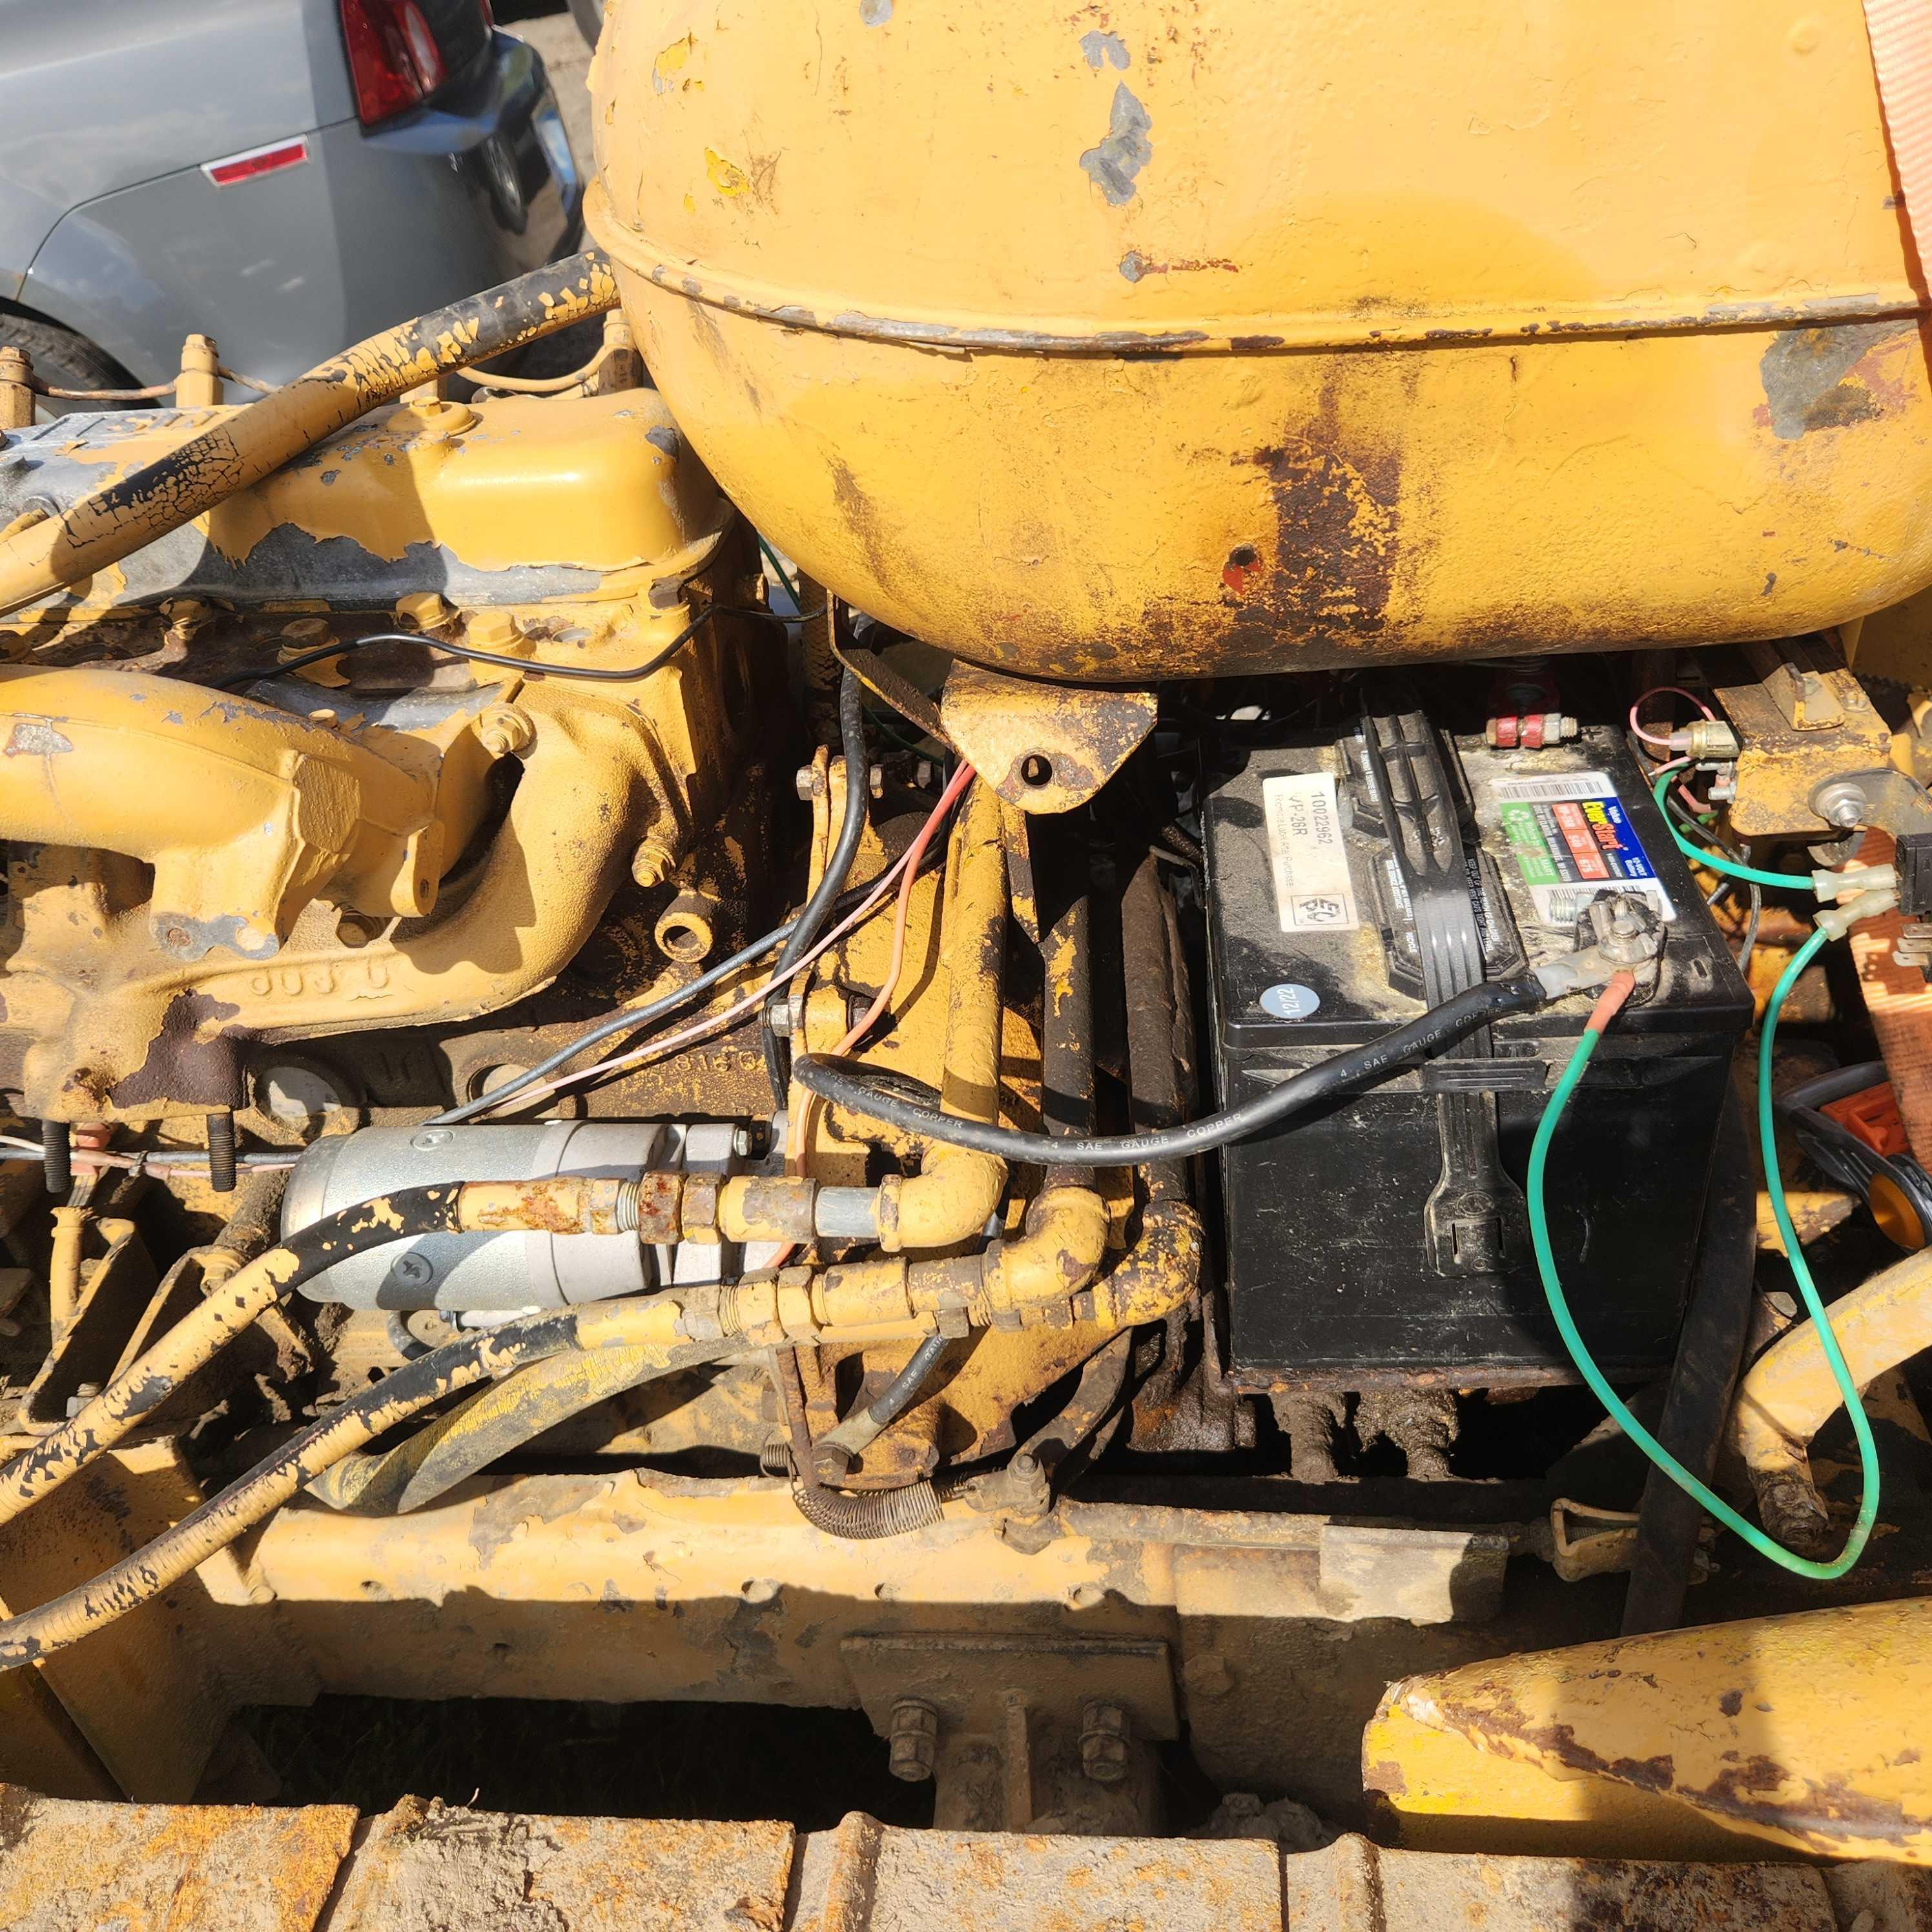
{"x":505,"y":732}
{"x":1840,"y":803}
{"x":806,"y":782}
{"x":1103,"y":1741}
{"x":84,"y":1393}
{"x":425,"y":609}
{"x":652,"y":862}
{"x":1208,"y":1674}
{"x":412,"y":1271}
{"x":493,"y":631}
{"x":875,"y":780}
{"x":915,"y":1740}
{"x":221,"y":1151}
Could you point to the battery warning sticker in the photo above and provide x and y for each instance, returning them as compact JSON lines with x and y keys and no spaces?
{"x":1312,"y":890}
{"x":1572,"y":839}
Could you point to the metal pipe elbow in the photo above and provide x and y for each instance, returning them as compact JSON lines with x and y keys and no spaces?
{"x":951,"y":1198}
{"x":1059,"y":1253}
{"x":1789,"y":1393}
{"x":1160,"y":1272}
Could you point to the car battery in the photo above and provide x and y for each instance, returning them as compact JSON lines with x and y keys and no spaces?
{"x":1382,"y":1239}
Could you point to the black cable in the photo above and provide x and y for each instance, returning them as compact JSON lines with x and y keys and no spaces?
{"x":896,"y":1397}
{"x":587,"y":673}
{"x":811,"y":921}
{"x":858,"y":1093}
{"x":628,"y":1019}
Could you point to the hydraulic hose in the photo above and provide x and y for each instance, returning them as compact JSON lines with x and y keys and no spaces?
{"x":241,"y":448}
{"x":845,"y":1084}
{"x":201,"y":1334}
{"x":863,"y":1515}
{"x":810,"y":922}
{"x":448,"y":1207}
{"x":140,"y":1578}
{"x":494,"y":1422}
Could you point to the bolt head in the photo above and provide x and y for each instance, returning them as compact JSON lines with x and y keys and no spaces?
{"x":433,"y":1137}
{"x":651,"y":863}
{"x":806,"y":781}
{"x":1208,"y":1674}
{"x":505,"y":731}
{"x":914,"y":1744}
{"x":412,"y":1271}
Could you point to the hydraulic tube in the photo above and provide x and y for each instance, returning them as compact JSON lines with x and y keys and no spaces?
{"x":1789,"y":1393}
{"x":951,"y":1198}
{"x":242,"y":448}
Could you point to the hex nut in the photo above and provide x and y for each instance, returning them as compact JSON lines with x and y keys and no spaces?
{"x":698,"y":1209}
{"x":652,"y":862}
{"x":1104,"y":1737}
{"x":505,"y":731}
{"x":914,"y":1742}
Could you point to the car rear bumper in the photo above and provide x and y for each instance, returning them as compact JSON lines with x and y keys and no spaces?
{"x":287,"y":267}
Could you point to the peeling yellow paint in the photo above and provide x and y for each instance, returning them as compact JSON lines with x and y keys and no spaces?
{"x":669,"y":62}
{"x":726,"y":176}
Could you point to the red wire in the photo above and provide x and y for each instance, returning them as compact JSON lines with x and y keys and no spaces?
{"x":862,"y":1024}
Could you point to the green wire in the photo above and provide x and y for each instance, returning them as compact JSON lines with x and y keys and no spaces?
{"x":784,"y":575}
{"x":1711,"y":861}
{"x":1546,"y":1262}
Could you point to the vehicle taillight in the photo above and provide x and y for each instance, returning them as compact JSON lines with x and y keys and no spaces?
{"x":394,"y":60}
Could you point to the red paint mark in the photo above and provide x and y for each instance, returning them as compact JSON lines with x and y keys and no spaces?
{"x":1244,"y":562}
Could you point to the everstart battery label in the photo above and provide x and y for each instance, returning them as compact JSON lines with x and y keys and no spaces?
{"x":1572,"y":840}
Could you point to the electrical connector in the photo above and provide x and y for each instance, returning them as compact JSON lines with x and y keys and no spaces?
{"x":1847,"y":881}
{"x":1838,"y":920}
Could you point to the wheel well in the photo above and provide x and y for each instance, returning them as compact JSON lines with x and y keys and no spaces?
{"x":124,"y":377}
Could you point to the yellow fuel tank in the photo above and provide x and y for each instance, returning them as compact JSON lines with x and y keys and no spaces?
{"x":1171,"y":337}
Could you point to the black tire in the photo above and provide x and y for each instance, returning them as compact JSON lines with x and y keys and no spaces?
{"x":63,"y":361}
{"x":588,"y":15}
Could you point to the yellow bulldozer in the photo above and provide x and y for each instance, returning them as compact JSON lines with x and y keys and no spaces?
{"x":1091,"y":1034}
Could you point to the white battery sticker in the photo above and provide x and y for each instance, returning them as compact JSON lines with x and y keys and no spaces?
{"x":1312,"y":890}
{"x":1572,"y":839}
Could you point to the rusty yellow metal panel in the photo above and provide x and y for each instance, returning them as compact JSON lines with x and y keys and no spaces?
{"x":428,"y":1864}
{"x":1807,"y":1731}
{"x":78,"y":1867}
{"x":1266,"y":337}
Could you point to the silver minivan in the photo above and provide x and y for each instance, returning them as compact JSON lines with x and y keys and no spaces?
{"x":285,"y":176}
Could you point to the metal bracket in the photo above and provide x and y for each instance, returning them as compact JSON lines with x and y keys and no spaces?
{"x":1882,"y":799}
{"x":1804,"y":721}
{"x":1043,"y":747}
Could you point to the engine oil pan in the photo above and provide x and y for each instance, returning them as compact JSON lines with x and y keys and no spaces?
{"x":1167,"y":340}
